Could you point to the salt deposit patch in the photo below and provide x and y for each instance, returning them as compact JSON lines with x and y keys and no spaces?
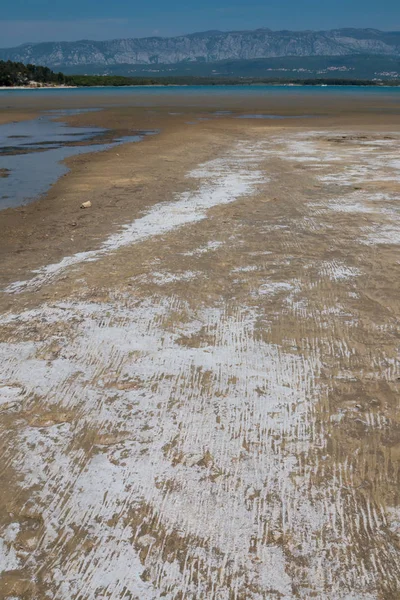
{"x":355,"y":207}
{"x":10,"y":396}
{"x":164,"y":278}
{"x":206,"y":442}
{"x":222,"y":181}
{"x":349,"y":163}
{"x":338,"y":271}
{"x":139,"y":385}
{"x":9,"y":560}
{"x":271,"y":288}
{"x":209,"y":247}
{"x":248,"y":269}
{"x":382,"y":234}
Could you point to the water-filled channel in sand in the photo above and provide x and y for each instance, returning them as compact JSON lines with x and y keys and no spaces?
{"x":32,"y":153}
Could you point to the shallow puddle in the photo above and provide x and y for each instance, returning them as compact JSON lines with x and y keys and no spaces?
{"x":32,"y":153}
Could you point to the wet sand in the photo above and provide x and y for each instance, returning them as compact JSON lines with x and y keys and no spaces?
{"x":33,"y":152}
{"x":200,"y":374}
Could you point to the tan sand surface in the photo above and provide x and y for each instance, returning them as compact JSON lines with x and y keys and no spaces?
{"x":200,"y":374}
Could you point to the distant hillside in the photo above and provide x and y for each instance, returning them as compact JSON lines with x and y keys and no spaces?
{"x":208,"y":47}
{"x":372,"y":67}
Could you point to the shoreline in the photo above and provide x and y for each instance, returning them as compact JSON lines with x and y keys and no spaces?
{"x":205,"y":85}
{"x":51,"y":215}
{"x":45,"y":87}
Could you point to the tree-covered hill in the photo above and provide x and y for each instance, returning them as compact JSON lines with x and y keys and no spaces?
{"x":16,"y":73}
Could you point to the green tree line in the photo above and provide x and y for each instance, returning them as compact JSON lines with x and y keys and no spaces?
{"x":14,"y":73}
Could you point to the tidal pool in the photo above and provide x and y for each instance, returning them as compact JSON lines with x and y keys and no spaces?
{"x":32,"y":153}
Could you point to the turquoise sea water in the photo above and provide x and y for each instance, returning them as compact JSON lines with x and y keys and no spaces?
{"x":211,"y":90}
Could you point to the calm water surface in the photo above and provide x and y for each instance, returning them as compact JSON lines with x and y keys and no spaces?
{"x":212,"y":90}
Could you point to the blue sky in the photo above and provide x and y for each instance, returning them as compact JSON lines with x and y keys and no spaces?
{"x":46,"y":20}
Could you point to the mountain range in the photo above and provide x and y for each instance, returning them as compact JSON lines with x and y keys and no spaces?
{"x":210,"y":47}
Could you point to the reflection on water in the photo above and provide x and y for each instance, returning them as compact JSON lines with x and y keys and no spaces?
{"x":31,"y":153}
{"x":42,"y":133}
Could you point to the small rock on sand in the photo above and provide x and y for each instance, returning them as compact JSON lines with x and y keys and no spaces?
{"x":87,"y":204}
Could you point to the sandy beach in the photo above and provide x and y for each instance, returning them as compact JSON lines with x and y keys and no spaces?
{"x":200,"y":374}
